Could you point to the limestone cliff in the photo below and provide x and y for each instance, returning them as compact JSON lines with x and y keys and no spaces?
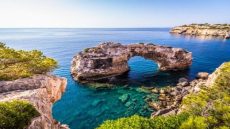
{"x":209,"y":30}
{"x":41,"y":91}
{"x":111,"y":59}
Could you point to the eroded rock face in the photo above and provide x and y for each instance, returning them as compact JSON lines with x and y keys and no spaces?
{"x":111,"y":59}
{"x":41,"y":91}
{"x":201,"y":30}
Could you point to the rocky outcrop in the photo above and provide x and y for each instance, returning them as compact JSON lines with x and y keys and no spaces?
{"x":111,"y":59}
{"x":209,"y":30}
{"x":41,"y":91}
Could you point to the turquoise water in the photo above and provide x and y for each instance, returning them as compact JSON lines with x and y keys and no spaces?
{"x":82,"y":107}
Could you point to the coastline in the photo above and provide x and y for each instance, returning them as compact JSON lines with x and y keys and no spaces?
{"x":207,"y":30}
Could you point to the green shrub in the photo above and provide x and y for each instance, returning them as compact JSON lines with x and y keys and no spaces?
{"x":86,"y":49}
{"x":213,"y":102}
{"x":194,"y":123}
{"x":169,"y":122}
{"x":16,"y":64}
{"x":16,"y":114}
{"x":138,"y":122}
{"x":133,"y":122}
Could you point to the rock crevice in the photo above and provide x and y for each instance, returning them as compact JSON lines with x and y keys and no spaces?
{"x":111,"y":59}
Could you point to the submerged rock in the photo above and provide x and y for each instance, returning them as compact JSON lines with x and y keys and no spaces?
{"x":111,"y":59}
{"x":155,"y":90}
{"x":96,"y":102}
{"x":154,"y":105}
{"x":100,"y":85}
{"x":124,"y":98}
{"x":144,"y":90}
{"x":128,"y":104}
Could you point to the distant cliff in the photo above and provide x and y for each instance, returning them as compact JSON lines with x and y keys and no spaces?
{"x":41,"y":91}
{"x":210,"y":30}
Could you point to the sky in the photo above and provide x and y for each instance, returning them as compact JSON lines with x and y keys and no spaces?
{"x":111,"y":13}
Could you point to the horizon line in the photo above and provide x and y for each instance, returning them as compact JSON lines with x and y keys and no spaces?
{"x":83,"y":27}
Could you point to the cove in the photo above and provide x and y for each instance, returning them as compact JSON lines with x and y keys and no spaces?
{"x":62,"y":44}
{"x":127,"y":98}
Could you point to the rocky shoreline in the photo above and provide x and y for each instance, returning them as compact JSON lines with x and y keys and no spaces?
{"x":203,"y":30}
{"x":41,"y":91}
{"x":110,"y":59}
{"x":170,"y":98}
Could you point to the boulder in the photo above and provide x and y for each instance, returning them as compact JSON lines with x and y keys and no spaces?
{"x":164,"y":112}
{"x":162,"y":97}
{"x":155,"y":90}
{"x":183,"y":82}
{"x":162,"y":91}
{"x":154,"y":105}
{"x":202,"y":75}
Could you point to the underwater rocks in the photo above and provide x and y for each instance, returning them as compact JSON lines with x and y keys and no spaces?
{"x":41,"y":91}
{"x":209,"y":30}
{"x":111,"y":59}
{"x":170,"y":98}
{"x":124,"y":98}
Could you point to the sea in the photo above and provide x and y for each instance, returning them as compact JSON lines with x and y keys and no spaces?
{"x":84,"y":107}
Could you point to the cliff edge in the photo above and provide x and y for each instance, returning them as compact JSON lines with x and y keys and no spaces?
{"x":41,"y":91}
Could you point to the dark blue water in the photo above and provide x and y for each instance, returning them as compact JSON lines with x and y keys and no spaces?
{"x":82,"y":107}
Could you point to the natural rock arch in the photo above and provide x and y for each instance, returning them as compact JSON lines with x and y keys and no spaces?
{"x":111,"y":59}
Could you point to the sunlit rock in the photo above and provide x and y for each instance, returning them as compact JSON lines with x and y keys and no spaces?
{"x":204,"y":31}
{"x":111,"y":59}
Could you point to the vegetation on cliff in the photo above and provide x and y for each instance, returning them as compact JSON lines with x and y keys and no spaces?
{"x":208,"y":26}
{"x":204,"y":30}
{"x":209,"y":108}
{"x":16,"y":114}
{"x":138,"y":122}
{"x":212,"y":104}
{"x":16,"y":64}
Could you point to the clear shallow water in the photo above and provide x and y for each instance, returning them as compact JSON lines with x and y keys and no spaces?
{"x":82,"y":107}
